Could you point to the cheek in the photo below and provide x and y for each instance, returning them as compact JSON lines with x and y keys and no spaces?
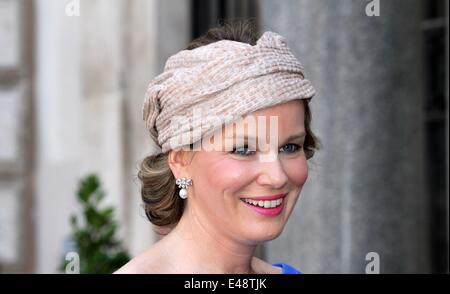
{"x":228,"y":175}
{"x":297,"y":171}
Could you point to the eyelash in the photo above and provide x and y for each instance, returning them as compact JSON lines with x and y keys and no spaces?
{"x":297,"y":149}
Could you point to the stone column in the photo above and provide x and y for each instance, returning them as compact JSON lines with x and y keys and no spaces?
{"x":153,"y":30}
{"x":140,"y":63}
{"x":57,"y":127}
{"x":366,"y":189}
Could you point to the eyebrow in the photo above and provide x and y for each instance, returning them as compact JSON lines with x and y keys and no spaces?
{"x":290,"y":138}
{"x":296,"y":136}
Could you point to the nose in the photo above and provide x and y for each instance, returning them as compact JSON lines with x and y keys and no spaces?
{"x":272,"y":174}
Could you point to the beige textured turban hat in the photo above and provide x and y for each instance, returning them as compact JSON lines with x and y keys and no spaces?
{"x":221,"y":79}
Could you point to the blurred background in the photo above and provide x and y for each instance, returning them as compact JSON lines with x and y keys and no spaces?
{"x":72,"y":79}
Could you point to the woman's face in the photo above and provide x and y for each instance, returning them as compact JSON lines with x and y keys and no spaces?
{"x":223,"y":180}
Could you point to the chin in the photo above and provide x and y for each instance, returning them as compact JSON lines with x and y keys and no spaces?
{"x":260,"y":234}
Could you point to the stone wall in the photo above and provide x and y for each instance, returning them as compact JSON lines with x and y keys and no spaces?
{"x":16,"y":137}
{"x":91,"y":73}
{"x":366,"y":188}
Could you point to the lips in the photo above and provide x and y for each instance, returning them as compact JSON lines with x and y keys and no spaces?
{"x":271,"y":197}
{"x":266,"y":205}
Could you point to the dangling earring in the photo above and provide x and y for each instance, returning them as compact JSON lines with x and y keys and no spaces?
{"x":182,"y":184}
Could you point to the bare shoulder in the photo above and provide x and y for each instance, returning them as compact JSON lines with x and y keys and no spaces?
{"x":148,"y":262}
{"x":262,"y":267}
{"x":129,"y":268}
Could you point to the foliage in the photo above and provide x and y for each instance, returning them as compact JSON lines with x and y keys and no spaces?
{"x":94,"y":234}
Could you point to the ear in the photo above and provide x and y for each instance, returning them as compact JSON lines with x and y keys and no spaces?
{"x":179,"y":161}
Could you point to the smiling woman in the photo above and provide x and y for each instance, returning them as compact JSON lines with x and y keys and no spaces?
{"x":228,"y":200}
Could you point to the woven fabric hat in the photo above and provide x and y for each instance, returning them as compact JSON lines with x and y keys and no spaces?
{"x":221,"y":81}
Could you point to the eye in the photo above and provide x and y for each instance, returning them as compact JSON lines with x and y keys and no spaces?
{"x":290,"y":148}
{"x":242,"y":151}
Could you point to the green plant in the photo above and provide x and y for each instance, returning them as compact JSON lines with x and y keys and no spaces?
{"x":95,"y":240}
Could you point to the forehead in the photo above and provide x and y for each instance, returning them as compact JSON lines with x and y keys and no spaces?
{"x":271,"y":125}
{"x":290,"y":117}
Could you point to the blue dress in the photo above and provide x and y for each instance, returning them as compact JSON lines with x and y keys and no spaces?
{"x":286,"y":268}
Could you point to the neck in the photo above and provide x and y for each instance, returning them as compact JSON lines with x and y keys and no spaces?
{"x":197,"y":247}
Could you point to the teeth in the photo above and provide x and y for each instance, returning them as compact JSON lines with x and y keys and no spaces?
{"x":264,"y":203}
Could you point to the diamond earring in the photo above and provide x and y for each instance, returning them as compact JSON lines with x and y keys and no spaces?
{"x":182,"y":184}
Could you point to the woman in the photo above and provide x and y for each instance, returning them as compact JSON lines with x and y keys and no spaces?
{"x":231,"y":116}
